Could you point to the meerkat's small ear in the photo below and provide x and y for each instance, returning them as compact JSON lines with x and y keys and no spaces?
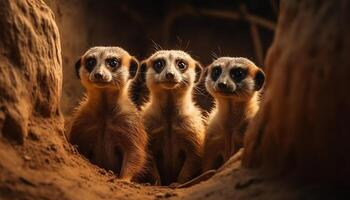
{"x":77,"y":67}
{"x":134,"y":65}
{"x":198,"y":69}
{"x":259,"y":79}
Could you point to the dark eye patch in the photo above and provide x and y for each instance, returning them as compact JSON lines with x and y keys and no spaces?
{"x":215,"y":73}
{"x":238,"y":74}
{"x":90,"y":63}
{"x":113,"y":62}
{"x":158,"y":65}
{"x":182,"y":65}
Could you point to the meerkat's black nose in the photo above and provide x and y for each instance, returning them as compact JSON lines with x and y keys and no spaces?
{"x":169,"y":76}
{"x":98,"y":76}
{"x":222,"y":86}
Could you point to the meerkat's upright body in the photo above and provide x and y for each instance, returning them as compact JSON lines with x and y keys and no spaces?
{"x":173,"y":122}
{"x":234,"y":83}
{"x":107,"y":127}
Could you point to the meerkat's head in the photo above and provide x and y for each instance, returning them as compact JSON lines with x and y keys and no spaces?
{"x":106,"y":67}
{"x":170,"y":69}
{"x":233,"y":77}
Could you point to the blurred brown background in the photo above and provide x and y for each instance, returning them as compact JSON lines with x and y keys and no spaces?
{"x":205,"y":29}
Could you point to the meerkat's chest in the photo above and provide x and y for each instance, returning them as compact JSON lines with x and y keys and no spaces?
{"x":224,"y":135}
{"x":169,"y":142}
{"x":174,"y":129}
{"x":105,"y":131}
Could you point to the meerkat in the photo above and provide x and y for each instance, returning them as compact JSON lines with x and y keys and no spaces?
{"x":106,"y":126}
{"x":235,"y":84}
{"x":174,"y":123}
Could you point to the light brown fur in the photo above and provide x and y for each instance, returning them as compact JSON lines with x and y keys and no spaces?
{"x":236,"y":105}
{"x":174,"y":124}
{"x":106,"y":126}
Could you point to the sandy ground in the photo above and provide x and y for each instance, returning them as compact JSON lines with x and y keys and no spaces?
{"x":44,"y":168}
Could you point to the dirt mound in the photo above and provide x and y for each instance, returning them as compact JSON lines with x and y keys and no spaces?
{"x":31,"y":76}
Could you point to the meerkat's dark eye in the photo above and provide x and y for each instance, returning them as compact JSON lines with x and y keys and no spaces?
{"x":90,"y":63}
{"x":215,"y":73}
{"x":181,"y":65}
{"x":113,"y":62}
{"x":238,"y":74}
{"x":158,"y":65}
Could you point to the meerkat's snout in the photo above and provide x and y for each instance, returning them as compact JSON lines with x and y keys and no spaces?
{"x":101,"y":73}
{"x":222,"y":82}
{"x":167,"y":74}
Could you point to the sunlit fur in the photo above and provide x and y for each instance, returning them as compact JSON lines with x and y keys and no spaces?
{"x":172,"y":120}
{"x":106,"y":126}
{"x":232,"y":112}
